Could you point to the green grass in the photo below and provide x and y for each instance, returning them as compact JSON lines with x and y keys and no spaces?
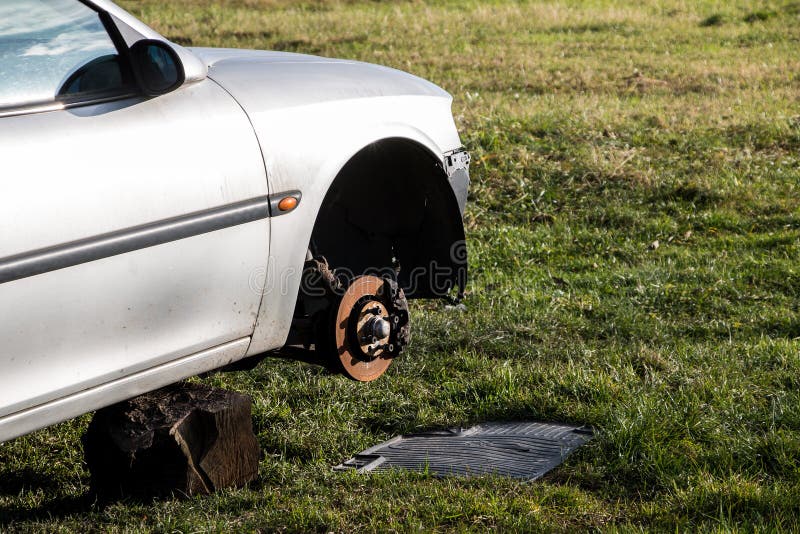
{"x":597,"y":129}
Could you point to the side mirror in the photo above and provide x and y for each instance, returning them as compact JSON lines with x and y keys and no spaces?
{"x":156,"y":67}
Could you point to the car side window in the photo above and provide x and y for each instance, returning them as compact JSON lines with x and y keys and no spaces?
{"x":56,"y":50}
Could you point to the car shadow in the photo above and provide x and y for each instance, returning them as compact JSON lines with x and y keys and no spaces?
{"x":309,"y":356}
{"x":48,"y":509}
{"x":29,"y":494}
{"x":57,"y":505}
{"x":12,"y":483}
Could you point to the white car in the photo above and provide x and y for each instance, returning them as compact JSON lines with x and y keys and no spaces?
{"x":160,"y":206}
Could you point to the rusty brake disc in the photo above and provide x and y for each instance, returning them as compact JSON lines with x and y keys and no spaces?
{"x":371,"y":327}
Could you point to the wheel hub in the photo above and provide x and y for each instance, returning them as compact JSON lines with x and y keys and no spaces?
{"x":372,"y":328}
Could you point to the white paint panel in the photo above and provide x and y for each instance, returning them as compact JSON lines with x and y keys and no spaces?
{"x":95,"y":398}
{"x":85,"y":325}
{"x":75,"y":174}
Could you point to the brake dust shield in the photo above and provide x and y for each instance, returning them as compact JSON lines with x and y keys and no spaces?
{"x":522,"y":450}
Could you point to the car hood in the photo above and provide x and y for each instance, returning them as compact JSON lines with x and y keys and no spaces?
{"x":270,"y":80}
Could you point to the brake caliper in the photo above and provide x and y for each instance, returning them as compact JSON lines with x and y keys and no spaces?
{"x":399,"y":322}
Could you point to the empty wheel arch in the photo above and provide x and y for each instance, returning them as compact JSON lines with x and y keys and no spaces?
{"x":391,"y":209}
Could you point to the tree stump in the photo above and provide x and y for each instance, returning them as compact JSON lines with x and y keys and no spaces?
{"x":186,"y":438}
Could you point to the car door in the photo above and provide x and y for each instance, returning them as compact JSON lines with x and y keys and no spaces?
{"x":130,"y":227}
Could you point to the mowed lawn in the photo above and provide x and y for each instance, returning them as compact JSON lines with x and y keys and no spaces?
{"x":634,"y":239}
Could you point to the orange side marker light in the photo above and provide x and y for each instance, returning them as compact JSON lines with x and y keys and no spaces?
{"x":287,"y":204}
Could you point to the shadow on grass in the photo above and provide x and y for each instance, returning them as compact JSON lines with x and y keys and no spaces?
{"x":12,"y":483}
{"x":17,"y":483}
{"x":319,"y":363}
{"x":55,"y":508}
{"x":38,"y":496}
{"x":308,"y":356}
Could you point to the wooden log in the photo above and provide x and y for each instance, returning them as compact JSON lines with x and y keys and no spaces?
{"x":185,"y":439}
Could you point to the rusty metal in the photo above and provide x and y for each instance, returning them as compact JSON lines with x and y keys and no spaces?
{"x":371,"y":342}
{"x":363,"y":347}
{"x":399,"y":317}
{"x":327,"y":278}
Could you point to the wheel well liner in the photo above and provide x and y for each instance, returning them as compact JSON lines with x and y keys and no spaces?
{"x":392,"y":206}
